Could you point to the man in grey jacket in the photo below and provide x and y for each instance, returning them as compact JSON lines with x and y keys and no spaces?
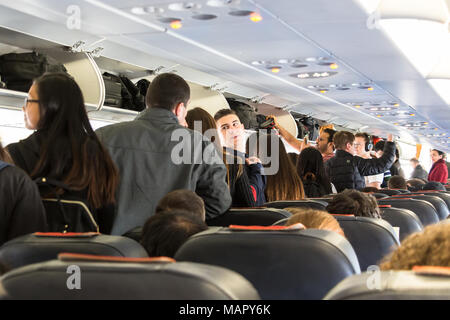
{"x":418,"y":172}
{"x":155,"y":155}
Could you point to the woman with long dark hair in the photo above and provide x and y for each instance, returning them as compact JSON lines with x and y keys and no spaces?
{"x":284,"y":184}
{"x":312,"y":172}
{"x":64,"y":146}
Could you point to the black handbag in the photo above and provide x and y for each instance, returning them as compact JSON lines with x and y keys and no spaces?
{"x":66,"y":210}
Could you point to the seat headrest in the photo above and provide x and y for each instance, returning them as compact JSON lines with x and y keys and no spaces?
{"x":93,"y":258}
{"x":313,"y":204}
{"x":424,"y":283}
{"x":38,"y":247}
{"x":424,"y":210}
{"x":371,"y":238}
{"x":249,"y":216}
{"x":109,"y":280}
{"x":281,"y":263}
{"x":405,"y":219}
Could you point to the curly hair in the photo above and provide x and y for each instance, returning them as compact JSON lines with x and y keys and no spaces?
{"x":431,"y":247}
{"x":356,"y":203}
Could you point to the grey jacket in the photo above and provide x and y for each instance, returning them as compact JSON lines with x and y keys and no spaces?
{"x":148,"y":159}
{"x":419,"y":173}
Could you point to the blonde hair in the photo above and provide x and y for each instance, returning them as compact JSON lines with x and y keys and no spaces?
{"x":314,"y":219}
{"x":431,"y":247}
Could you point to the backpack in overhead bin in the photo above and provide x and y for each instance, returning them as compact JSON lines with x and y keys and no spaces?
{"x":246,"y":113}
{"x":18,"y":70}
{"x":137,"y":102}
{"x":66,"y":209}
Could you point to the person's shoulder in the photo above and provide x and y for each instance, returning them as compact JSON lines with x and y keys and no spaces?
{"x":15,"y":174}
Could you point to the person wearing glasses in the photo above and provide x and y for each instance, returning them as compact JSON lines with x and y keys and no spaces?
{"x":64,"y":147}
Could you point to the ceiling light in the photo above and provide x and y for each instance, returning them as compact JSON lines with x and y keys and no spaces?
{"x":311,"y":59}
{"x":303,"y":75}
{"x":316,"y":75}
{"x":357,"y":106}
{"x":334,"y":66}
{"x":323,"y":90}
{"x":370,"y":88}
{"x":176,"y":24}
{"x":257,"y":63}
{"x":324,"y":74}
{"x":396,"y":105}
{"x":275,"y":69}
{"x":255,"y":17}
{"x":283,"y":61}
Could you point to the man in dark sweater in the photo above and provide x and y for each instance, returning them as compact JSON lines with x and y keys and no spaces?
{"x":347,"y":171}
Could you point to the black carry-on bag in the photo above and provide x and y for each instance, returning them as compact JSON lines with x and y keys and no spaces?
{"x":66,"y":210}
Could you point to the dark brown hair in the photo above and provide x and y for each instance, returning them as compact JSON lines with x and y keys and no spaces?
{"x":354,"y":202}
{"x":310,"y":167}
{"x":341,"y":138}
{"x":224,"y":112}
{"x":71,"y":151}
{"x":164,"y":233}
{"x":397,"y":182}
{"x":167,"y":91}
{"x":285,"y":184}
{"x":182,"y":200}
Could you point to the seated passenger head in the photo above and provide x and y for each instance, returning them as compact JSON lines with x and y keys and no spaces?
{"x":354,"y":202}
{"x":314,"y":219}
{"x":430,"y":247}
{"x":397,"y":182}
{"x":344,"y":140}
{"x":231,"y":129}
{"x":169,"y":91}
{"x":325,"y":141}
{"x":433,"y":185}
{"x":415,"y":184}
{"x":164,"y":233}
{"x":370,"y":189}
{"x":186,"y":200}
{"x":436,"y":155}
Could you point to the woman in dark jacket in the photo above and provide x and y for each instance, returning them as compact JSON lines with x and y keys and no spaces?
{"x":311,"y":170}
{"x":438,"y":171}
{"x":64,"y":146}
{"x":21,"y":207}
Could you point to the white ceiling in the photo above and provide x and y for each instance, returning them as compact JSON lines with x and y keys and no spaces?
{"x":222,"y":51}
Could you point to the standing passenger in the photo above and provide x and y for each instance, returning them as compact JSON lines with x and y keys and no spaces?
{"x":156,"y":154}
{"x":64,"y":146}
{"x":245,"y":180}
{"x":438,"y":172}
{"x":312,"y":172}
{"x":346,"y":171}
{"x":21,"y":209}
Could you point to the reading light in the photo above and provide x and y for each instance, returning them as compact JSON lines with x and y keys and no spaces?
{"x":333,"y":66}
{"x":275,"y":69}
{"x":176,"y":24}
{"x":370,"y":88}
{"x":255,"y":17}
